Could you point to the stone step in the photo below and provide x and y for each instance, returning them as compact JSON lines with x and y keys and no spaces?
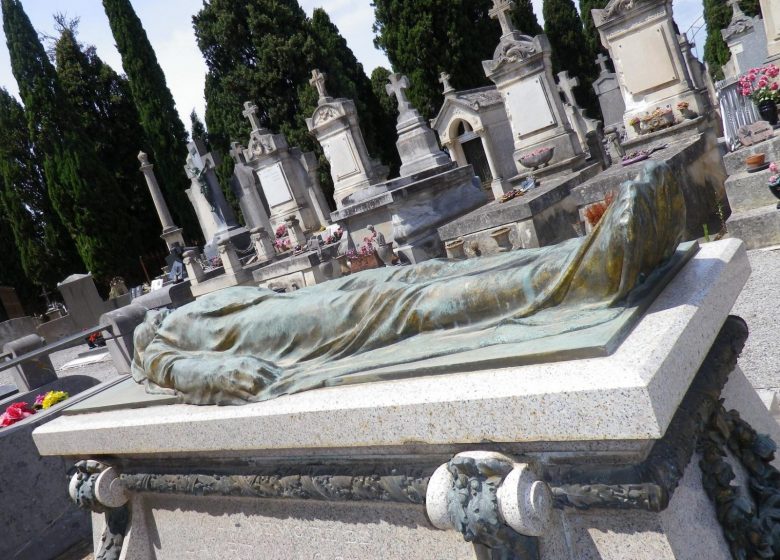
{"x":747,"y":191}
{"x":758,"y":228}
{"x":735,"y":161}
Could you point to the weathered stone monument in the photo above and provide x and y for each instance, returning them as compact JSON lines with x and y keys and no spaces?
{"x":642,"y":41}
{"x":581,"y":124}
{"x":335,"y":126}
{"x":522,"y":71}
{"x":287,"y":176}
{"x":474,"y":127}
{"x":746,"y":39}
{"x":608,"y":91}
{"x":549,"y":404}
{"x":215,"y":216}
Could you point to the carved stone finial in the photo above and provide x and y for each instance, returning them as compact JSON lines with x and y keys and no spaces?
{"x":491,"y":500}
{"x":318,"y":81}
{"x":444,"y":79}
{"x":397,"y":86}
{"x":566,"y":85}
{"x":144,"y":159}
{"x":500,"y":11}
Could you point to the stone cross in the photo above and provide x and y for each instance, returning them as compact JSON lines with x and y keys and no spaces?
{"x":444,"y":79}
{"x":45,"y":293}
{"x":500,"y":11}
{"x":318,"y":81}
{"x":601,"y":60}
{"x":397,"y":86}
{"x":250,"y":112}
{"x":566,"y":86}
{"x":735,"y":9}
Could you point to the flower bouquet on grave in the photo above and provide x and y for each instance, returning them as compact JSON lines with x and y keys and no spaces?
{"x":761,"y":85}
{"x":636,"y":123}
{"x":282,"y":244}
{"x":366,"y":257}
{"x":16,"y":412}
{"x":47,"y":400}
{"x":281,"y":231}
{"x":634,"y":157}
{"x":774,"y":181}
{"x":682,"y":106}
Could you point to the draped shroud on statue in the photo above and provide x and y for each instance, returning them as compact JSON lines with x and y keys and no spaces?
{"x":248,"y":344}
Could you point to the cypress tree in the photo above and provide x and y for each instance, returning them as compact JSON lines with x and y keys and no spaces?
{"x":427,"y":37}
{"x":38,"y":248}
{"x":591,"y":33}
{"x":81,"y":190}
{"x":524,"y":18}
{"x":104,"y":107}
{"x":717,"y":15}
{"x":166,"y":137}
{"x":198,"y":129}
{"x":570,"y":51}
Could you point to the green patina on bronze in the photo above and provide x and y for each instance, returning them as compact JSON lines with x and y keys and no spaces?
{"x":574,"y":299}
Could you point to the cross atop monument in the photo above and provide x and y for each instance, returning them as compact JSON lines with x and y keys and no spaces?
{"x":250,"y":112}
{"x":500,"y":11}
{"x":397,"y":86}
{"x":735,"y":9}
{"x":444,"y":79}
{"x":566,"y":85}
{"x":601,"y":60}
{"x":318,"y":81}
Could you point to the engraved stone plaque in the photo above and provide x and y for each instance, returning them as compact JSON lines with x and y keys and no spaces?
{"x":341,"y":156}
{"x":529,"y":107}
{"x":274,"y":184}
{"x":645,"y":59}
{"x":755,"y":133}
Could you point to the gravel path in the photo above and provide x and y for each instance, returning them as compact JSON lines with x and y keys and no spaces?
{"x":100,"y":370}
{"x":758,"y":304}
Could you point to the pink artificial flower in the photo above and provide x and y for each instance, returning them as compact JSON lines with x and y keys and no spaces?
{"x":773,"y":178}
{"x":773,"y":71}
{"x":774,"y":86}
{"x":763,"y":82}
{"x":773,"y":167}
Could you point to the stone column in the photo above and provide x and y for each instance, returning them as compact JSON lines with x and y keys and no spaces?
{"x":170,"y":234}
{"x":770,"y":11}
{"x":264,"y":248}
{"x":229,"y":257}
{"x":497,"y":186}
{"x":194,"y":269}
{"x":295,"y":232}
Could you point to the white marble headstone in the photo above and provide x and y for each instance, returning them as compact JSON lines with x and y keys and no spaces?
{"x":530,"y":107}
{"x":275,"y":185}
{"x":646,"y":60}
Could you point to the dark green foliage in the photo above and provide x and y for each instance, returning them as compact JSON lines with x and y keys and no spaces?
{"x":717,"y":15}
{"x":166,"y":137}
{"x":264,"y":51}
{"x":37,"y":249}
{"x":198,"y":129}
{"x":591,"y":33}
{"x":81,"y":189}
{"x":105,"y":110}
{"x":387,"y":105}
{"x":427,"y":37}
{"x":524,"y":18}
{"x":570,"y":50}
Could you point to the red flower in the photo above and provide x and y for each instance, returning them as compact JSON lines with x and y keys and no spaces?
{"x":16,"y":412}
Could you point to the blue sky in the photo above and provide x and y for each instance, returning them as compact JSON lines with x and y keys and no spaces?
{"x":169,"y":27}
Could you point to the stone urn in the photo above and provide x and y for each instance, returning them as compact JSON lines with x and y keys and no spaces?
{"x":768,"y":111}
{"x":455,"y":249}
{"x":501,"y":237}
{"x":537,"y":158}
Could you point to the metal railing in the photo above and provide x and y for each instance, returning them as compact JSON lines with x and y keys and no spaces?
{"x":63,"y":343}
{"x":736,"y":110}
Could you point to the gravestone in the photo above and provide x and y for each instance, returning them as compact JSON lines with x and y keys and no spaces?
{"x":581,"y":124}
{"x":84,"y":304}
{"x":770,"y":11}
{"x":755,"y":133}
{"x":215,"y":216}
{"x":608,"y":91}
{"x":246,"y":186}
{"x":417,"y":144}
{"x":335,"y":125}
{"x":521,"y":68}
{"x":652,"y":71}
{"x":170,"y":234}
{"x":746,"y":39}
{"x":287,"y":176}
